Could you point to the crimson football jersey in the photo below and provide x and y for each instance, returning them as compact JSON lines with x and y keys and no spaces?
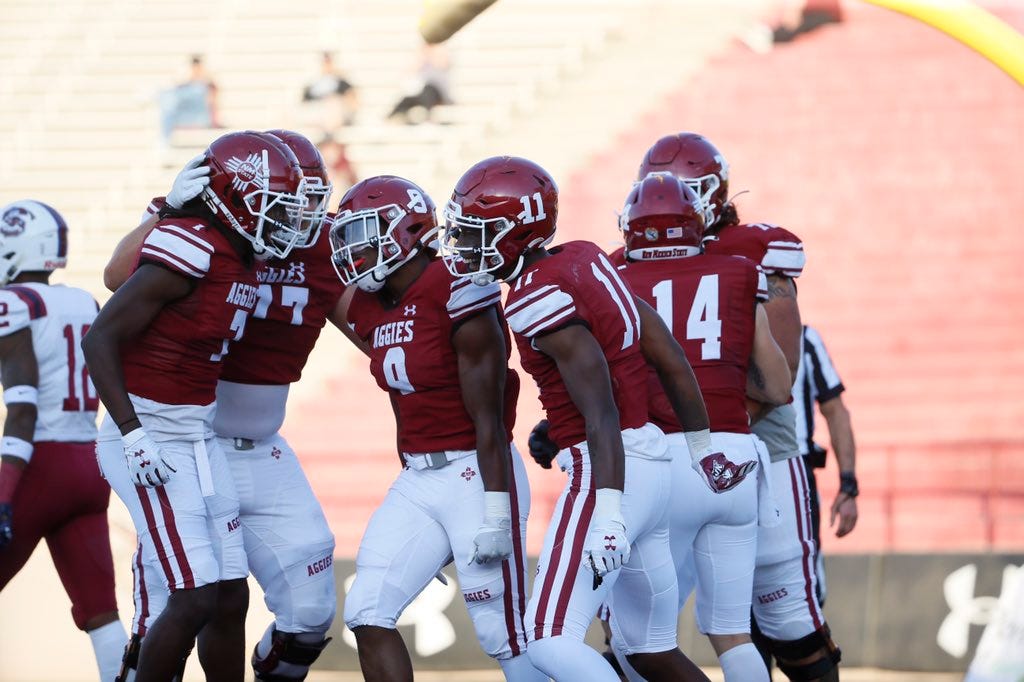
{"x":577,"y":284}
{"x":777,"y":250}
{"x":296,"y":296}
{"x":708,"y":303}
{"x":178,"y":358}
{"x":412,"y":357}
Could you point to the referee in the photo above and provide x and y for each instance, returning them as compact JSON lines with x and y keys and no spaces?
{"x":818,"y":382}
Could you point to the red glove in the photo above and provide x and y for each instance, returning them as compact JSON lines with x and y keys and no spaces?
{"x":720,"y":474}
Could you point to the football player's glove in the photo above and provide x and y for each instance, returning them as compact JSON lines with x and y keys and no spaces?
{"x":720,"y":474}
{"x":189,"y":183}
{"x":493,"y":541}
{"x":606,"y":547}
{"x":147,"y":467}
{"x":542,"y":448}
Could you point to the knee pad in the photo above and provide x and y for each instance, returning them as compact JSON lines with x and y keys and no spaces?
{"x":818,"y":641}
{"x":286,"y":649}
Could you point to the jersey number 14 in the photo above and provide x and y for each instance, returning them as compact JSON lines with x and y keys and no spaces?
{"x":703,"y":323}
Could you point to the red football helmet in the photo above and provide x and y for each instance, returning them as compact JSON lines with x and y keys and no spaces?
{"x":256,"y":186}
{"x":662,"y":218}
{"x":381,"y":223}
{"x":318,"y":184}
{"x":694,"y":160}
{"x":501,"y":208}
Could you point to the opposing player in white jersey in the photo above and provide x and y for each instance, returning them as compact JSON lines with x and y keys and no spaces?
{"x":585,"y":339}
{"x":50,"y":487}
{"x":155,"y":353}
{"x":439,"y":346}
{"x":712,"y":305}
{"x":289,"y":545}
{"x":784,"y":602}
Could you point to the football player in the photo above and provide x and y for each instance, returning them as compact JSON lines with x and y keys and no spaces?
{"x":155,"y":353}
{"x":49,"y":484}
{"x":439,"y":346}
{"x":289,"y":545}
{"x":713,"y":306}
{"x":584,"y":339}
{"x":784,"y":603}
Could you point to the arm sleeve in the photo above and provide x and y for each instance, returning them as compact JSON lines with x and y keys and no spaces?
{"x":823,"y":374}
{"x":180,"y":249}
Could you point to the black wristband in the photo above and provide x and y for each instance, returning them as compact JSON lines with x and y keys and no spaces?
{"x":128,"y":421}
{"x":848,"y":483}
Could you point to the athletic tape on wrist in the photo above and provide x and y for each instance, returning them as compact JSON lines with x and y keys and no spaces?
{"x":699,"y":443}
{"x":16,"y":447}
{"x":21,"y":394}
{"x":497,"y":505}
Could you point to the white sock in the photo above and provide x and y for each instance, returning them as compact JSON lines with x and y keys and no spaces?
{"x":108,"y":644}
{"x":743,"y":664}
{"x":519,"y":669}
{"x":564,"y":659}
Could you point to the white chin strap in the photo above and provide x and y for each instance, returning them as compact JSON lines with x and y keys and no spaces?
{"x":373,"y":281}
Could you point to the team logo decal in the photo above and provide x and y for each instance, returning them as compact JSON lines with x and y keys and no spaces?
{"x":651,"y":234}
{"x":14,"y":221}
{"x":247,"y":172}
{"x":468,"y":474}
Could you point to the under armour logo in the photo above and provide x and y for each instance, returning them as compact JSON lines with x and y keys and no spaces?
{"x":139,"y":454}
{"x":609,"y":542}
{"x":468,"y":474}
{"x":965,"y":609}
{"x":410,"y":310}
{"x":275,"y":453}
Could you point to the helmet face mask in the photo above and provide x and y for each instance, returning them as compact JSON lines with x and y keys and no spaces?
{"x":502,"y":208}
{"x":384,"y":221}
{"x":33,"y":238}
{"x":470,"y":246}
{"x":318,"y":187}
{"x":363,"y":253}
{"x":257,"y":188}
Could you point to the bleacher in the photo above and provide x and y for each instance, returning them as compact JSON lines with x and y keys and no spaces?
{"x":894,"y":164}
{"x":891,"y":162}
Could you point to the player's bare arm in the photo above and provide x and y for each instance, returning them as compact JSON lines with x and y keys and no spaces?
{"x":480,"y":347}
{"x":119,"y":268}
{"x":668,"y":359}
{"x":784,"y":318}
{"x":128,"y":312}
{"x":584,"y":371}
{"x":770,"y":380}
{"x":339,"y":318}
{"x":18,"y":368}
{"x":840,"y":431}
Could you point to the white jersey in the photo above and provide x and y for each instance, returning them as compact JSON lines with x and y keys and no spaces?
{"x":58,"y":316}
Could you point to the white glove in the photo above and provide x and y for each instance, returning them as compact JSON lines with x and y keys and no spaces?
{"x":493,"y":541}
{"x":147,"y":467}
{"x":606,"y":548}
{"x":189,"y":183}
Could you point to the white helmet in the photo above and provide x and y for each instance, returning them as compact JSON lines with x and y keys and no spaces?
{"x":33,"y":237}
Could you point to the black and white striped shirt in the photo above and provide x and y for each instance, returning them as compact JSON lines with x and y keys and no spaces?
{"x":816,"y":381}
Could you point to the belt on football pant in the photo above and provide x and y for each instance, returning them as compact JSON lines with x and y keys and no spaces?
{"x":433,"y":460}
{"x":243,"y":443}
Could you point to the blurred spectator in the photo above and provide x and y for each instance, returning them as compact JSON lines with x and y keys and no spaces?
{"x":192,"y":104}
{"x":337,"y":98}
{"x":796,"y":17}
{"x":339,"y":168}
{"x":429,"y":88}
